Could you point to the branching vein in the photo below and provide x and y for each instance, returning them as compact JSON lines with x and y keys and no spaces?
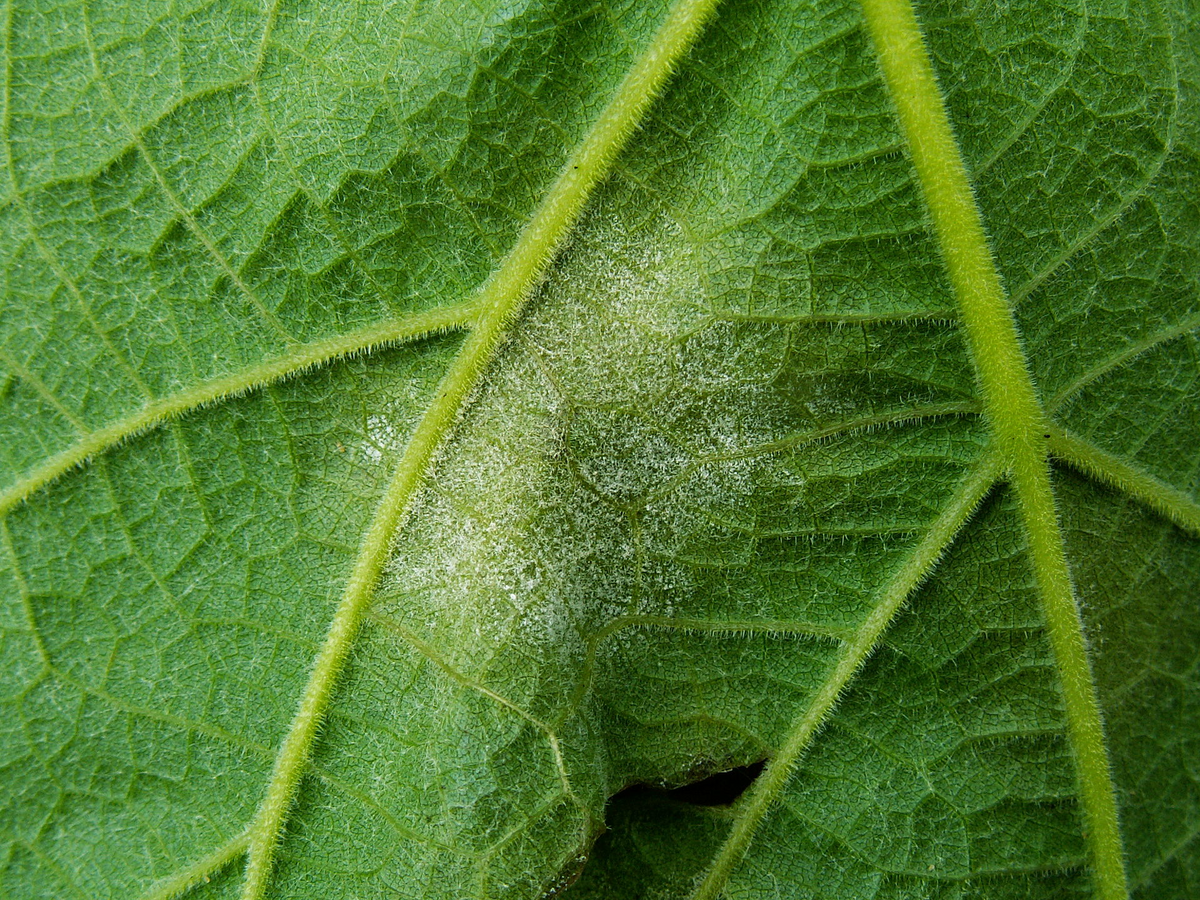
{"x":1189,"y":325}
{"x":268,"y":316}
{"x":299,"y":359}
{"x":1113,"y":471}
{"x":1014,"y":411}
{"x":854,"y":653}
{"x":502,"y":299}
{"x":198,"y":872}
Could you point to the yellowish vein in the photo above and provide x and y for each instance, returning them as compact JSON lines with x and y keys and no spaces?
{"x":1011,"y":402}
{"x":501,"y":300}
{"x":199,"y":872}
{"x":853,"y":654}
{"x":299,"y":359}
{"x":1115,"y":472}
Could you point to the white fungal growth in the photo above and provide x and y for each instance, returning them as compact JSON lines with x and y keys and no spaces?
{"x":382,"y":437}
{"x":592,"y":472}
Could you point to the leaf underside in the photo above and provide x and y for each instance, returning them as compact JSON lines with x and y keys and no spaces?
{"x":737,"y":419}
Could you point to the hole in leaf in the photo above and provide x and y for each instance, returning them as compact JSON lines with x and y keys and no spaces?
{"x":720,"y":789}
{"x":657,"y":841}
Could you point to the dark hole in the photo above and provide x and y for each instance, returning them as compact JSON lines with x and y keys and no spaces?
{"x":715,"y":790}
{"x":720,"y":789}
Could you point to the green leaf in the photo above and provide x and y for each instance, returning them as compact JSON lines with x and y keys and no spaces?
{"x":421,"y":422}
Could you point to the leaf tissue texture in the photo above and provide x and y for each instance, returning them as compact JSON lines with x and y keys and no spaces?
{"x":420,"y":422}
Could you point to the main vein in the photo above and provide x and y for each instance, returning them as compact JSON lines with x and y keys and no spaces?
{"x":501,"y":300}
{"x":916,"y":567}
{"x":298,"y":359}
{"x":1015,"y":413}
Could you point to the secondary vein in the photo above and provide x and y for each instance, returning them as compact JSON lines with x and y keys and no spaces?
{"x":502,"y":299}
{"x":1011,"y":402}
{"x":300,"y":358}
{"x":199,"y":872}
{"x":1125,"y":477}
{"x":854,"y":653}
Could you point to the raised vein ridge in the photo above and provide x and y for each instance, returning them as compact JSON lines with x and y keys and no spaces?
{"x":300,"y":358}
{"x":1011,"y":402}
{"x":1125,"y":477}
{"x":501,"y":299}
{"x":200,"y":871}
{"x":854,"y":653}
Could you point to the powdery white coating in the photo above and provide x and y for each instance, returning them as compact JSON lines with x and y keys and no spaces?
{"x":521,"y":539}
{"x":382,"y":436}
{"x":618,"y":455}
{"x":617,"y":482}
{"x":615,"y":451}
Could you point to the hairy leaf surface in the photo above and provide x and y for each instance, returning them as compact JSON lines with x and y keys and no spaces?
{"x":399,"y":459}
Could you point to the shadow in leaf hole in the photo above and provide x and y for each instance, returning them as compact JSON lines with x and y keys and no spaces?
{"x":657,"y":841}
{"x":715,"y":790}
